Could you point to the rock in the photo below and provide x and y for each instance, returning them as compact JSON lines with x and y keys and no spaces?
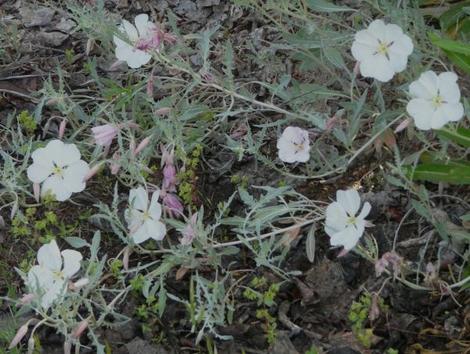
{"x":40,"y":16}
{"x":140,"y":346}
{"x":53,"y":39}
{"x":343,"y":350}
{"x":283,"y":345}
{"x":65,"y":25}
{"x":207,"y":3}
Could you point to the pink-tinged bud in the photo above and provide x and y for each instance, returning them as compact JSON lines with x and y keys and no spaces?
{"x":62,"y":126}
{"x":207,"y":76}
{"x":125,"y":258}
{"x":132,"y":146}
{"x":78,"y":331}
{"x":172,"y":205}
{"x":343,"y":253}
{"x":115,"y":166}
{"x":163,"y":111}
{"x":104,"y":134}
{"x":142,"y":145}
{"x":37,"y":191}
{"x":168,"y":157}
{"x":169,"y":178}
{"x":150,"y":84}
{"x":31,"y":344}
{"x":26,"y":299}
{"x":115,"y":65}
{"x":80,"y":283}
{"x":403,"y":125}
{"x":67,"y":347}
{"x":189,"y":232}
{"x":19,"y":336}
{"x":89,"y":46}
{"x":239,"y":132}
{"x":93,"y":171}
{"x":356,"y":68}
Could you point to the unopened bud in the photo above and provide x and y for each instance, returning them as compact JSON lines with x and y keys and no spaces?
{"x":19,"y":336}
{"x":403,"y":125}
{"x":142,"y":145}
{"x":78,"y":331}
{"x":93,"y":171}
{"x":62,"y":126}
{"x":37,"y":191}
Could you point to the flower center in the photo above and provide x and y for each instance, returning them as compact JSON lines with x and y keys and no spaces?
{"x":58,"y":171}
{"x":298,"y":146}
{"x":146,"y":216}
{"x":351,"y":220}
{"x":383,"y":47}
{"x":437,"y":101}
{"x":59,"y":275}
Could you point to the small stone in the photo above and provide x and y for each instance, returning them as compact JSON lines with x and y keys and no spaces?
{"x":140,"y":346}
{"x":283,"y":345}
{"x":53,"y":39}
{"x":40,"y":16}
{"x":65,"y":25}
{"x":208,"y":3}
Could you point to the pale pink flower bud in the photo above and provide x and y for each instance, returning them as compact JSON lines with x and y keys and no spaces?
{"x":172,"y":205}
{"x":67,"y":347}
{"x":62,"y":126}
{"x":19,"y":336}
{"x":403,"y":125}
{"x":163,"y":111}
{"x":26,"y":299}
{"x":37,"y":191}
{"x":125,"y":258}
{"x":115,"y":65}
{"x":89,"y":46}
{"x":78,"y":331}
{"x":80,"y":283}
{"x":356,"y":68}
{"x":189,"y":232}
{"x":31,"y":345}
{"x":169,"y":177}
{"x":142,"y":145}
{"x":93,"y":171}
{"x":132,"y":146}
{"x":168,"y":157}
{"x":150,"y":84}
{"x":115,"y":166}
{"x":104,"y":134}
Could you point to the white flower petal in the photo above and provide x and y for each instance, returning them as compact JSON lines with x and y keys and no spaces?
{"x":348,"y":238}
{"x":155,"y":209}
{"x":453,"y":112}
{"x":74,"y":175}
{"x":294,"y":145}
{"x":134,"y":218}
{"x":55,"y":291}
{"x":39,"y":277}
{"x":365,"y":211}
{"x":138,"y":198}
{"x":336,"y":217}
{"x":364,"y":45}
{"x":377,"y":67}
{"x":421,"y":111}
{"x":67,"y":153}
{"x":140,"y":235}
{"x":49,"y":256}
{"x":38,"y":173}
{"x":72,"y":261}
{"x":378,"y":29}
{"x":155,"y":229}
{"x":426,"y":86}
{"x":144,"y":26}
{"x":448,"y":87}
{"x":58,"y":187}
{"x":138,"y":58}
{"x":349,"y":200}
{"x":129,"y":29}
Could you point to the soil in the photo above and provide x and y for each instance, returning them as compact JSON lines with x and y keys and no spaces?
{"x":313,"y":307}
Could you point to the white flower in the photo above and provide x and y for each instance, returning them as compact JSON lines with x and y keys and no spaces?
{"x":49,"y":279}
{"x":59,"y":168}
{"x":344,"y":227}
{"x":436,"y":100}
{"x":143,"y":219}
{"x":142,"y":37}
{"x":381,"y":50}
{"x":294,"y":145}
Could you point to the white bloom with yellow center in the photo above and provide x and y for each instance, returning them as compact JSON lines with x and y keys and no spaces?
{"x":294,"y":145}
{"x":59,"y":168}
{"x":143,"y":219}
{"x":343,"y":223}
{"x":435,"y":100}
{"x":382,"y":50}
{"x":48,"y":280}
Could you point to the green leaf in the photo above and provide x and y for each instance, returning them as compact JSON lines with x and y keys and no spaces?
{"x":326,"y":6}
{"x":310,"y":244}
{"x":455,"y":174}
{"x":449,"y":44}
{"x":453,"y":16}
{"x":459,"y":136}
{"x":462,"y":61}
{"x":76,"y":242}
